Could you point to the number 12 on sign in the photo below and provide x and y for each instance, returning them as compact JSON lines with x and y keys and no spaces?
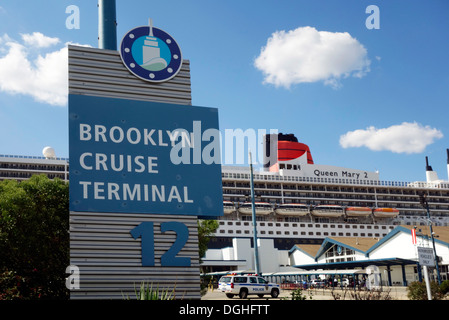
{"x":145,"y":230}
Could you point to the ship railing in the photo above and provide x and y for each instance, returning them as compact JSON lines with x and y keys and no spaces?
{"x":336,"y":181}
{"x":32,"y":157}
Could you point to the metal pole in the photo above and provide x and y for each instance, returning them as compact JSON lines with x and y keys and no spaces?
{"x":426,"y":277}
{"x":256,"y":249}
{"x":433,"y":239}
{"x":107,"y":25}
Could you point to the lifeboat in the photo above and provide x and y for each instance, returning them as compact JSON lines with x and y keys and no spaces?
{"x":329,"y":211}
{"x":228,"y":207}
{"x":358,"y":211}
{"x":385,"y":212}
{"x":262,"y":208}
{"x":292,"y":209}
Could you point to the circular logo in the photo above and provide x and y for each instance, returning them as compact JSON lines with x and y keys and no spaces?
{"x":151,"y":54}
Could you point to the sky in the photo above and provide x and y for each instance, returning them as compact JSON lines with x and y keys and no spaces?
{"x":364,"y":83}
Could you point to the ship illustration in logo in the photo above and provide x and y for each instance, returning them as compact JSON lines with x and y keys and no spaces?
{"x":150,"y":53}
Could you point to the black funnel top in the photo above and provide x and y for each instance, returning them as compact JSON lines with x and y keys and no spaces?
{"x":428,"y":168}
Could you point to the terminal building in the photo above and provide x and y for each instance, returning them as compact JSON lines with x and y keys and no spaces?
{"x":394,"y":256}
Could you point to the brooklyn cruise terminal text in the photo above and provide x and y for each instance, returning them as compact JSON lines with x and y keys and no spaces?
{"x":134,"y":192}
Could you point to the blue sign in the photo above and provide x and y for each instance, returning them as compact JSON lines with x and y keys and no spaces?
{"x":143,"y":157}
{"x":151,"y":54}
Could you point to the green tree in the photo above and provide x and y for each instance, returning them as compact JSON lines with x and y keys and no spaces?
{"x":34,"y":239}
{"x":205,"y":230}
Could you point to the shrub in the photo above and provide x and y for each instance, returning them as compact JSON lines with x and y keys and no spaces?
{"x":444,"y":287}
{"x":149,"y":293}
{"x":417,"y":291}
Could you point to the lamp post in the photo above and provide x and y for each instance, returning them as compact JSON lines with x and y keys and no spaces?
{"x":256,"y":249}
{"x":425,"y":205}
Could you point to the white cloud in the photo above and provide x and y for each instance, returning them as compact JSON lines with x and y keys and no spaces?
{"x":24,"y":69}
{"x":403,"y":138}
{"x":37,"y":39}
{"x":307,"y":55}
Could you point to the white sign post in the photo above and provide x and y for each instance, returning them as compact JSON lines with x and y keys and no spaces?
{"x":426,"y":259}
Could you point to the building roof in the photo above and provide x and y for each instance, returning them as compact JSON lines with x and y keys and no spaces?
{"x":366,"y":245}
{"x":441,"y":233}
{"x":360,"y":244}
{"x":309,"y":249}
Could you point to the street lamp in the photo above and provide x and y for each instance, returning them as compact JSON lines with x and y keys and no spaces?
{"x":253,"y":206}
{"x":425,"y":205}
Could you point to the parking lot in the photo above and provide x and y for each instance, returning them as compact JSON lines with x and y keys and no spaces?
{"x":396,"y":293}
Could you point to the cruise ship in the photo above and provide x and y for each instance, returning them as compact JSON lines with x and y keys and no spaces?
{"x":300,"y":202}
{"x":296,"y":200}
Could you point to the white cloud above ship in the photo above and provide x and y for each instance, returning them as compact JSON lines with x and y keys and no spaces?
{"x":307,"y":55}
{"x":406,"y":138}
{"x":27,"y":69}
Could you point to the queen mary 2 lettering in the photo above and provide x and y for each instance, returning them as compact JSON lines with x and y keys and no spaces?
{"x":122,"y":158}
{"x":291,"y":157}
